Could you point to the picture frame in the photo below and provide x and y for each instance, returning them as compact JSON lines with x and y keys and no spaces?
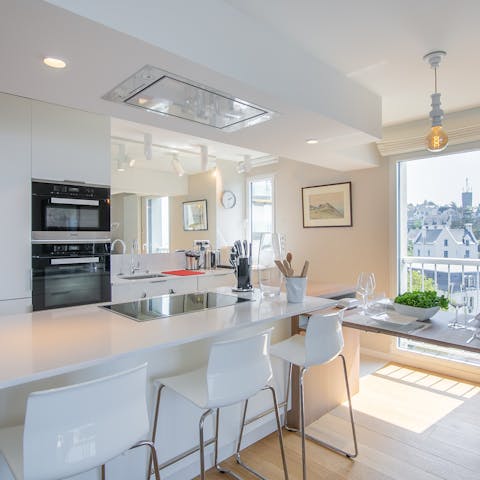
{"x":327,"y":205}
{"x":195,"y":217}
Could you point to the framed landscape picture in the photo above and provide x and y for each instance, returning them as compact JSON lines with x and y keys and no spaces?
{"x":327,"y":205}
{"x":195,"y":215}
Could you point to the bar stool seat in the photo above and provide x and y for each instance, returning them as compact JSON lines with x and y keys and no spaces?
{"x":74,"y":429}
{"x":237,"y":370}
{"x":321,"y":344}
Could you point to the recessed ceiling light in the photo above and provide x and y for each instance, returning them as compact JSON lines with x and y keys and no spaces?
{"x":54,"y":62}
{"x":311,"y":141}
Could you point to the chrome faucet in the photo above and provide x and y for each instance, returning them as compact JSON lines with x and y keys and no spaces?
{"x":134,"y":262}
{"x":121,"y":242}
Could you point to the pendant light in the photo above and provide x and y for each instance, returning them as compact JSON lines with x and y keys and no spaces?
{"x":437,"y":139}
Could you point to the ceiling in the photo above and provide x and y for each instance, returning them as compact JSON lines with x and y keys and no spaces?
{"x":381,"y":44}
{"x":328,"y":75}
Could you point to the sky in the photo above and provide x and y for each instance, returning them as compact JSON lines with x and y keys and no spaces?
{"x":442,"y":179}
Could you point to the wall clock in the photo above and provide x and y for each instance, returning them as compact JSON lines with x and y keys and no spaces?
{"x":228,"y":199}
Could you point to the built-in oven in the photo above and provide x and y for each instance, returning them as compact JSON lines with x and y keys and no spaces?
{"x":66,"y":274}
{"x":65,"y":211}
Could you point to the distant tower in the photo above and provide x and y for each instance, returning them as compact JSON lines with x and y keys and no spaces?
{"x":467,"y":195}
{"x":467,"y":202}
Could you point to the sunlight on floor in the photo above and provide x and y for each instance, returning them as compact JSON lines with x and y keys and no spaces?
{"x":410,"y":399}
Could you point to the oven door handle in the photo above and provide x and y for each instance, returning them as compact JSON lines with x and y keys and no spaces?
{"x":74,"y":201}
{"x":71,"y":261}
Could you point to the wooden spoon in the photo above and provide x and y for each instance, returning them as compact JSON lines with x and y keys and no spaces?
{"x":287,"y":268}
{"x":280,"y":266}
{"x":305,"y":268}
{"x":289,"y":260}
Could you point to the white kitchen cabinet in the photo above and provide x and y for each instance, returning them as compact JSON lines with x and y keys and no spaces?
{"x":208,"y":282}
{"x":70,"y":144}
{"x":20,"y":305}
{"x":15,"y":198}
{"x":136,"y":289}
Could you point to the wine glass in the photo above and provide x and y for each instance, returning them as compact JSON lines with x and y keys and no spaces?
{"x":272,"y":247}
{"x":458,"y":298}
{"x":365,"y":287}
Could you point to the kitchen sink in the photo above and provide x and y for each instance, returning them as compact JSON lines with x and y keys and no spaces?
{"x":143,"y":276}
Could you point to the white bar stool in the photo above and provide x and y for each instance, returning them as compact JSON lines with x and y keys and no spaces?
{"x":71,"y":430}
{"x":237,"y":370}
{"x":322,"y":343}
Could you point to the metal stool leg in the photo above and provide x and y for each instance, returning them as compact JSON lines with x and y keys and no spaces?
{"x":279,"y":430}
{"x":354,"y":435}
{"x":285,"y":414}
{"x":201,"y":424}
{"x":302,"y":423}
{"x":217,"y":465}
{"x":154,"y":429}
{"x":102,"y":472}
{"x":347,"y":385}
{"x":153,"y":455}
{"x":280,"y":437}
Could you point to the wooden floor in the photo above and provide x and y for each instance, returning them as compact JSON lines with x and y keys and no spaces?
{"x":411,"y":425}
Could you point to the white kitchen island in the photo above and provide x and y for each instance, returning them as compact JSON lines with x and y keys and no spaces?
{"x":57,"y":347}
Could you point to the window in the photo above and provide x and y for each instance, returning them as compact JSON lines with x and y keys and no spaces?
{"x":260,"y":209}
{"x":157,"y":231}
{"x":443,"y":191}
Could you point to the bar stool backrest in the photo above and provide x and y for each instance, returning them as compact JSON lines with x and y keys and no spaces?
{"x":324,"y":338}
{"x":73,"y":429}
{"x":237,"y":369}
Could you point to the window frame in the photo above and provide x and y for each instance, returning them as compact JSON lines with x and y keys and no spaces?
{"x":145,"y":221}
{"x":248,"y":196}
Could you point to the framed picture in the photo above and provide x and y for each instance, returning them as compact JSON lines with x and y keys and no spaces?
{"x":327,"y":205}
{"x":195,"y":215}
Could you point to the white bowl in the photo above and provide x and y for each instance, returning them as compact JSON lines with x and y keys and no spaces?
{"x":417,"y":312}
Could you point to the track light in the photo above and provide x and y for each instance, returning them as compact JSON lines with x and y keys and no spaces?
{"x":177,"y":166}
{"x":204,"y":157}
{"x":147,"y":145}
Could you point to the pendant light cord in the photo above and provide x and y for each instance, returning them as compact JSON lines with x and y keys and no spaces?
{"x":435,"y":70}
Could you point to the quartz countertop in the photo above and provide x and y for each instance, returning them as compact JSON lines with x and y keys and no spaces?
{"x":52,"y":342}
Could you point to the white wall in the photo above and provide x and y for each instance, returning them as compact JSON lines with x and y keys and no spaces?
{"x":229,"y":220}
{"x":336,"y":254}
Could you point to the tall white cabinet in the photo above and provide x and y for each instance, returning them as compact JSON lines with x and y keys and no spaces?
{"x":15,"y":203}
{"x":69,"y":144}
{"x":47,"y":142}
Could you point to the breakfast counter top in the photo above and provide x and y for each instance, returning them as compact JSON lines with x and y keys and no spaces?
{"x":52,"y":342}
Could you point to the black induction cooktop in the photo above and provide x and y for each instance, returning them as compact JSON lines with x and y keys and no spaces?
{"x":170,"y":305}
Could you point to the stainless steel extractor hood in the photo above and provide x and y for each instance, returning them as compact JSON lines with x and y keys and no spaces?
{"x":167,"y":94}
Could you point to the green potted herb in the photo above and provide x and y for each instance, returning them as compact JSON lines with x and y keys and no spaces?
{"x":421,"y":305}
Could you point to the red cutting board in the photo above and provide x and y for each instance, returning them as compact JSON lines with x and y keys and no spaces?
{"x":184,"y":273}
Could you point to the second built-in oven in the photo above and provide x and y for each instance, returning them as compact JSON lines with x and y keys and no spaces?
{"x":65,"y":211}
{"x":67,"y":274}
